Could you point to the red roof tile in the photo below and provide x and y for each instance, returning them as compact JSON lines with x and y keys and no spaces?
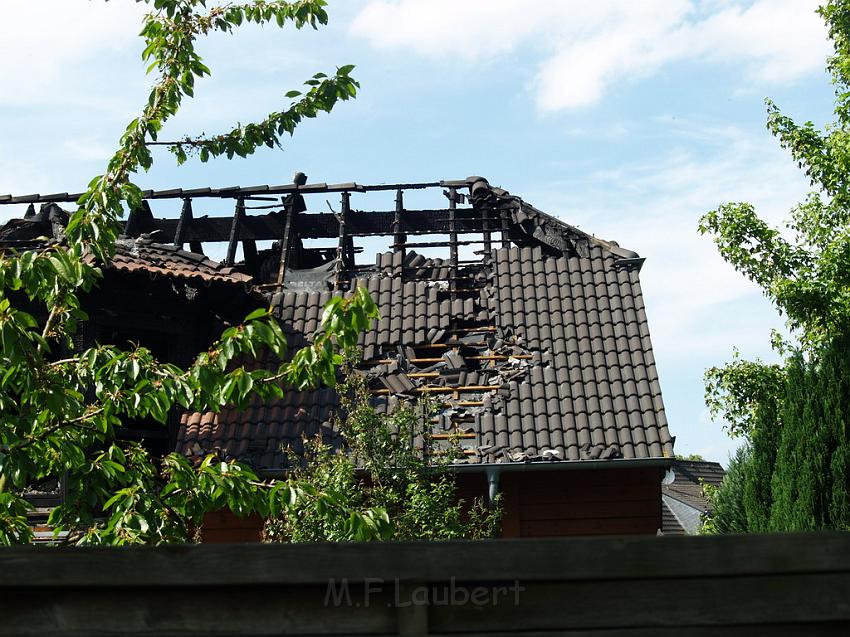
{"x":158,"y":259}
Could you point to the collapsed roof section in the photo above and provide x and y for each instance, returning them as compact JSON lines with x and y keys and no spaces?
{"x":530,"y":334}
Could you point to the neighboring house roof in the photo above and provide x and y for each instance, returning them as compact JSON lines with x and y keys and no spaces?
{"x":670,"y":524}
{"x":683,"y":496}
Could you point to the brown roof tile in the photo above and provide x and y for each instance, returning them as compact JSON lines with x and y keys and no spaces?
{"x":158,"y":259}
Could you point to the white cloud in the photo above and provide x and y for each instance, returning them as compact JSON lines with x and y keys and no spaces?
{"x":588,"y":47}
{"x":44,"y":42}
{"x":777,"y":39}
{"x":473,"y":29}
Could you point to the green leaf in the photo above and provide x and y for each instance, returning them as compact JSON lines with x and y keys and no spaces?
{"x":258,"y":313}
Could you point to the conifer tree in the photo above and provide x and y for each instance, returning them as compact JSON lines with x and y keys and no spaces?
{"x":795,"y":415}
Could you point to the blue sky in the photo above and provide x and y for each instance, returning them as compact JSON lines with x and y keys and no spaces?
{"x":628,"y":119}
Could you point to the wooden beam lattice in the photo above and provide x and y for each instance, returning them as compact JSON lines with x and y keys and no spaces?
{"x":322,"y":225}
{"x":432,"y":389}
{"x":486,"y":357}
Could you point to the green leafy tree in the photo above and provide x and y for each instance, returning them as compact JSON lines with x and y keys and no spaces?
{"x":59,"y":412}
{"x":693,"y":457}
{"x":747,"y":395}
{"x":794,"y":415}
{"x":390,"y":465}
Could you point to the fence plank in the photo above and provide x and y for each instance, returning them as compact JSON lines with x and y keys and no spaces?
{"x":527,"y":559}
{"x":695,"y":586}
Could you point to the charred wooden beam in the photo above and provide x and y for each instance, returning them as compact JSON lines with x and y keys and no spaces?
{"x":453,"y":256}
{"x":349,"y":253}
{"x":270,"y":227}
{"x":398,"y":236}
{"x":485,"y":222}
{"x":233,"y":240}
{"x":249,"y":250}
{"x":342,"y":240}
{"x":184,"y":222}
{"x":248,"y":191}
{"x":442,"y":244}
{"x":285,"y":245}
{"x":140,"y":220}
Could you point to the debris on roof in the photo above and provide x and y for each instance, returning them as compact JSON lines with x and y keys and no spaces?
{"x":530,"y":334}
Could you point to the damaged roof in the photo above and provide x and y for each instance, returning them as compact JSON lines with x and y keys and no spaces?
{"x":530,"y":334}
{"x":538,"y":350}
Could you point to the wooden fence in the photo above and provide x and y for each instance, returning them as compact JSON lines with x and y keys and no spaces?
{"x":636,"y":586}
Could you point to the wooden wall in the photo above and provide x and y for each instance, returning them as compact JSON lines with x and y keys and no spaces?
{"x":224,"y":527}
{"x":535,"y":504}
{"x":575,"y":502}
{"x":631,"y":586}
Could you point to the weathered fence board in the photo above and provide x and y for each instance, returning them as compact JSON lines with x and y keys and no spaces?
{"x":694,"y":586}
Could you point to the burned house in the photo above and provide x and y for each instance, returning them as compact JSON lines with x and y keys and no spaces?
{"x":529,"y":334}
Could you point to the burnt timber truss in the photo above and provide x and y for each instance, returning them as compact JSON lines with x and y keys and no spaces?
{"x":492,"y":210}
{"x":489,"y":213}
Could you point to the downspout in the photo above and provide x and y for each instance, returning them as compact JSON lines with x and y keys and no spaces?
{"x":492,"y":482}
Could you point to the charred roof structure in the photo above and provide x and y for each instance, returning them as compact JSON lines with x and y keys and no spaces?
{"x":529,"y":334}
